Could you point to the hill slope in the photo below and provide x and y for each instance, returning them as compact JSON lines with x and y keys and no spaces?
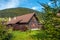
{"x":15,"y":12}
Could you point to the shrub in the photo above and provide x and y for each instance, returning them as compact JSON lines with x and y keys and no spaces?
{"x":4,"y":35}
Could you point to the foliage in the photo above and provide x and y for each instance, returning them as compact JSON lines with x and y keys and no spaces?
{"x":4,"y":35}
{"x":18,"y":35}
{"x":41,"y":35}
{"x":50,"y":24}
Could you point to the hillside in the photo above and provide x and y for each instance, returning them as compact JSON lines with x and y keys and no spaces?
{"x":15,"y":12}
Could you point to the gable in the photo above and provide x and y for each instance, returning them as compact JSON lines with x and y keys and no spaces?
{"x":34,"y":18}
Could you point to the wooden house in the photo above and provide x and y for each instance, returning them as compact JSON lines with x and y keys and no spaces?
{"x":24,"y":22}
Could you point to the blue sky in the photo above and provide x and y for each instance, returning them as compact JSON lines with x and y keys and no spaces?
{"x":32,"y":4}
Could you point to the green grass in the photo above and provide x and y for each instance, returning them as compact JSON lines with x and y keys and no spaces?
{"x":27,"y":35}
{"x":18,"y":35}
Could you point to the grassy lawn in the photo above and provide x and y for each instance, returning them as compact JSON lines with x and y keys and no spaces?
{"x":18,"y":35}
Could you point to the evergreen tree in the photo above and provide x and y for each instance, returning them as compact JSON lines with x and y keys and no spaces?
{"x":51,"y":21}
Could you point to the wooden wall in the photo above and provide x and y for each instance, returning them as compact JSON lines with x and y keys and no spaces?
{"x":33,"y":23}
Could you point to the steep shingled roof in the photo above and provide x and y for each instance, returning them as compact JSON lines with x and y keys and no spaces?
{"x":22,"y":19}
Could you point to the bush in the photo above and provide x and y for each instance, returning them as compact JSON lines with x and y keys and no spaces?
{"x":4,"y":35}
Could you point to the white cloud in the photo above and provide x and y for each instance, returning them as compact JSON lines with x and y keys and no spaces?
{"x":34,"y":8}
{"x":9,"y":4}
{"x":39,"y":8}
{"x":49,"y":3}
{"x":12,"y":3}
